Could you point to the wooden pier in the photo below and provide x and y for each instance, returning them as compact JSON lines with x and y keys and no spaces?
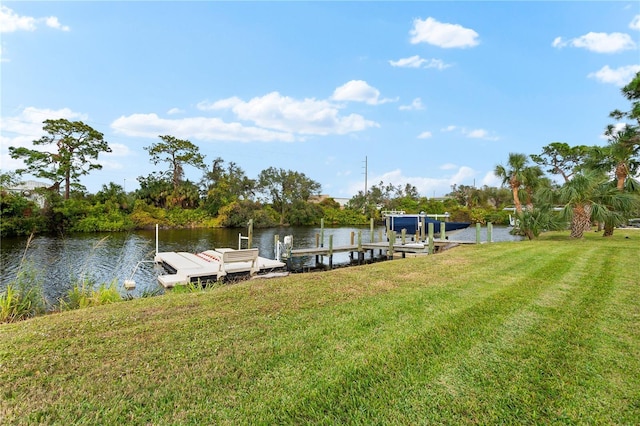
{"x":397,"y":245}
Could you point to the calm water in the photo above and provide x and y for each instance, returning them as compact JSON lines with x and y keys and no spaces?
{"x":114,"y":256}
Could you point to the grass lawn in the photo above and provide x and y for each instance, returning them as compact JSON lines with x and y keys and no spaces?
{"x":541,"y":332}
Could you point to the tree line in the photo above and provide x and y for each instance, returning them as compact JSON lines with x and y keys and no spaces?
{"x":597,"y":185}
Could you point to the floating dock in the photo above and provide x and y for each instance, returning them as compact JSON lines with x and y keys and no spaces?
{"x":213,"y":265}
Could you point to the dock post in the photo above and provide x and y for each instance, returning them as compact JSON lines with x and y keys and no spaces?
{"x":431,"y":243}
{"x":322,"y":232}
{"x":371,"y":230}
{"x":276,"y":246}
{"x":489,"y":232}
{"x":317,"y":245}
{"x":392,"y":240}
{"x":250,"y":232}
{"x":403,"y":236}
{"x":423,"y":228}
{"x":156,"y":239}
{"x":478,"y":226}
{"x":330,"y":251}
{"x":443,"y":230}
{"x":360,"y":252}
{"x":353,"y":235}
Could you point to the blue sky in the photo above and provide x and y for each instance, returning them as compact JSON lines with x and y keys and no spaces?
{"x":431,"y":93}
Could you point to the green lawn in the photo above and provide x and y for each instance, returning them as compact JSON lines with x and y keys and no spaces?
{"x":541,"y":332}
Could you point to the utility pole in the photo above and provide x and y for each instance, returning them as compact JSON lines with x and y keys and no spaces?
{"x":365,"y":175}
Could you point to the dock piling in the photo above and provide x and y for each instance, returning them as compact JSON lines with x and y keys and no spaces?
{"x":330,"y":251}
{"x":431,"y":242}
{"x":371,"y":235}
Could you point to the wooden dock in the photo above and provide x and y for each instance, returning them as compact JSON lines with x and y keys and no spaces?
{"x":358,"y":252}
{"x":397,"y":245}
{"x":212,"y":265}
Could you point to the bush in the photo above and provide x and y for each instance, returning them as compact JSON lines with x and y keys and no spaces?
{"x":180,"y":217}
{"x":84,"y":294}
{"x":19,"y":216}
{"x":23,"y":298}
{"x":238,"y":213}
{"x":145,"y":216}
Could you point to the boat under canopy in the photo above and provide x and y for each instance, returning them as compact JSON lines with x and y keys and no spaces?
{"x":412,"y":223}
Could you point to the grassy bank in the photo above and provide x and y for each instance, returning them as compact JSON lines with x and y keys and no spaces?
{"x":532,"y":332}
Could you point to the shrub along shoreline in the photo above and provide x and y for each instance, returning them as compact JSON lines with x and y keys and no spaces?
{"x":542,"y":331}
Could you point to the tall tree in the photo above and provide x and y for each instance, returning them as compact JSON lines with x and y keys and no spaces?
{"x":561,"y":159}
{"x":513,"y":174}
{"x":225,"y":185}
{"x":75,"y":147}
{"x":178,"y":153}
{"x":284,"y":187}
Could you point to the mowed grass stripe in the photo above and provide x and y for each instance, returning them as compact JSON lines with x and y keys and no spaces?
{"x":416,"y":357}
{"x":503,"y":384}
{"x":506,"y":333}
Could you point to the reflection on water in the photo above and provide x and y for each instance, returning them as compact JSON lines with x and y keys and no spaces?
{"x":108,"y":257}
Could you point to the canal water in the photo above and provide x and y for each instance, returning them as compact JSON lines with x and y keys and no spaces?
{"x":107,"y":257}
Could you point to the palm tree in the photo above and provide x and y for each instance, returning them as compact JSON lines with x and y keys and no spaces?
{"x":520,"y":176}
{"x":591,"y":196}
{"x":513,"y":175}
{"x":621,"y":157}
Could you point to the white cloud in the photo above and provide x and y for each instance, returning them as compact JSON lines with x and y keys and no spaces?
{"x":273,"y":117}
{"x":426,"y":186}
{"x":12,"y":22}
{"x":22,"y":129}
{"x":201,"y":128}
{"x":52,"y":22}
{"x":418,"y":62}
{"x":359,"y":91}
{"x":118,"y":150}
{"x":109,"y":165}
{"x":416,"y":104}
{"x":635,"y":23}
{"x":491,"y":179}
{"x":228,"y":103}
{"x":425,"y":135}
{"x":479,"y":134}
{"x":598,"y":42}
{"x":473,"y":134}
{"x":619,"y":76}
{"x":174,"y":111}
{"x":306,"y":117}
{"x":448,"y":166}
{"x":442,"y":34}
{"x":26,"y":127}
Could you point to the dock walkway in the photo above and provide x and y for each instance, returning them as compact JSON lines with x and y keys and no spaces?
{"x":384,"y":249}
